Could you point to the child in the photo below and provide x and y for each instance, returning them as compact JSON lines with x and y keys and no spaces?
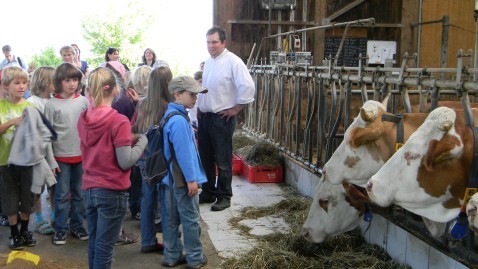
{"x":149,"y":111}
{"x":15,"y":180}
{"x":186,"y":172}
{"x":108,"y":156}
{"x":63,"y":111}
{"x":138,"y":82}
{"x":41,"y":89}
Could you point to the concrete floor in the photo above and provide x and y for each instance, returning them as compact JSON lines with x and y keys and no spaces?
{"x":219,"y":239}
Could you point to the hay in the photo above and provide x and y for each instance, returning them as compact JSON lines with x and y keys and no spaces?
{"x":292,"y":251}
{"x":263,"y":154}
{"x":240,"y":141}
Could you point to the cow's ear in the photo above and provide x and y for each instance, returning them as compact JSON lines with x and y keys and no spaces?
{"x":355,"y":193}
{"x":441,"y":150}
{"x":361,"y":136}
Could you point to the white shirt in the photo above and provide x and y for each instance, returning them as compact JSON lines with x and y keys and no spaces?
{"x":228,"y":82}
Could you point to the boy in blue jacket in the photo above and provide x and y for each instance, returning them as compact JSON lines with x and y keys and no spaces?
{"x":179,"y":190}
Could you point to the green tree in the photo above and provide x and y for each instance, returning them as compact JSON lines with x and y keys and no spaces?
{"x":47,"y":57}
{"x":118,"y":27}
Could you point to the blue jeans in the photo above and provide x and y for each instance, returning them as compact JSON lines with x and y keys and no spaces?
{"x":215,"y":148}
{"x":149,"y":204}
{"x":68,"y":181}
{"x":186,"y":212}
{"x":105,"y":210}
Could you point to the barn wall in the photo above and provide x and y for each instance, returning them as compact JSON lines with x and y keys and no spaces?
{"x":461,"y":30}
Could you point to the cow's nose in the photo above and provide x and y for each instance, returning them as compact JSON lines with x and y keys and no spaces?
{"x":369,"y":186}
{"x":305,"y":232}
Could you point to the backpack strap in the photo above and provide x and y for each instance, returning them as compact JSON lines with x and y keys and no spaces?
{"x":20,"y":62}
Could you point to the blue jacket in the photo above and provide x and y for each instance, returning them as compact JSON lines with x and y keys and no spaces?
{"x":180,"y":132}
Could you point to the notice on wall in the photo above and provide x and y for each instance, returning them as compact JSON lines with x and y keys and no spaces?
{"x":351,"y":50}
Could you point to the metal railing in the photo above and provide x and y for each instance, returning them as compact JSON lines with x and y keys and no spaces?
{"x":304,"y":110}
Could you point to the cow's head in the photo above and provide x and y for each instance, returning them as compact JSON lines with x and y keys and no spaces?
{"x":334,"y":210}
{"x":471,"y":212}
{"x":364,"y":149}
{"x":422,"y":175}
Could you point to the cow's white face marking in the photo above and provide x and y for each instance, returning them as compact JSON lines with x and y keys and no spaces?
{"x":397,"y":181}
{"x":355,"y":165}
{"x":329,"y":214}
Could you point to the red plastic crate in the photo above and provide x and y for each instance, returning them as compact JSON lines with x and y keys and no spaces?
{"x":262,"y":174}
{"x":236,"y":165}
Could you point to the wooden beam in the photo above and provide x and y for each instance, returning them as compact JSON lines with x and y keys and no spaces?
{"x":294,"y":23}
{"x":343,"y":10}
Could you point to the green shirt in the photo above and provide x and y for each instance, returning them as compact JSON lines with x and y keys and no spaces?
{"x":9,"y":111}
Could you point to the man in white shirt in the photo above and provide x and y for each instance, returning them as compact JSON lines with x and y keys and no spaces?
{"x":230,"y":89}
{"x":11,"y":60}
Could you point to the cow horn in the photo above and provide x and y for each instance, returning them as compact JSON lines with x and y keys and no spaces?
{"x":367,"y":116}
{"x":446,"y":126}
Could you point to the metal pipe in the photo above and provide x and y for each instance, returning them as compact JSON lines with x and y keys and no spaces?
{"x":419,"y":32}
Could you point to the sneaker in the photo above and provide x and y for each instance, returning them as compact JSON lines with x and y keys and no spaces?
{"x":199,"y":265}
{"x":79,"y":233}
{"x":154,"y":248}
{"x":126,"y":238}
{"x":59,"y":238}
{"x":4,"y":221}
{"x":28,"y":239}
{"x":221,"y":205}
{"x":136,"y":216}
{"x":182,"y":260}
{"x":16,"y":242}
{"x":206,"y":199}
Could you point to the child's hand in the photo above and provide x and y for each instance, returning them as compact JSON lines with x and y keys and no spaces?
{"x":193,"y":188}
{"x":56,"y":171}
{"x":134,"y":138}
{"x":17,"y":121}
{"x":132,"y":94}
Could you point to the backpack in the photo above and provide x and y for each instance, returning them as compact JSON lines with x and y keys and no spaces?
{"x":156,"y":167}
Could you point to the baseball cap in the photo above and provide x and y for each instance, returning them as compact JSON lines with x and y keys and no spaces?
{"x":185,"y":83}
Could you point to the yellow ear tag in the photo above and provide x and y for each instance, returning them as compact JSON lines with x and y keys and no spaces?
{"x":398,"y":146}
{"x":468,"y":193}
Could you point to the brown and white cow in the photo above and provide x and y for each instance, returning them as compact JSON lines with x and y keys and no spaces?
{"x":335,"y":209}
{"x":429,"y":174}
{"x":368,"y":143}
{"x":471,"y":209}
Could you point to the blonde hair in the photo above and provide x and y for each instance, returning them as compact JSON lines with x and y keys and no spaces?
{"x":140,"y":79}
{"x":68,"y":49}
{"x":151,"y":109}
{"x":101,"y":84}
{"x":41,"y":80}
{"x":13,"y":72}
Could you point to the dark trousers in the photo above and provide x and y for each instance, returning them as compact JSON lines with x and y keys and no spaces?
{"x":135,"y":190}
{"x":215,"y":148}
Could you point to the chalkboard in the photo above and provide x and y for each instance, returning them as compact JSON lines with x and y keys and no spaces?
{"x":350,"y":51}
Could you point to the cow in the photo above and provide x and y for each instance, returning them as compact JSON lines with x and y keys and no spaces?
{"x":429,"y":174}
{"x":471,"y":213}
{"x":368,"y":143}
{"x":335,"y":209}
